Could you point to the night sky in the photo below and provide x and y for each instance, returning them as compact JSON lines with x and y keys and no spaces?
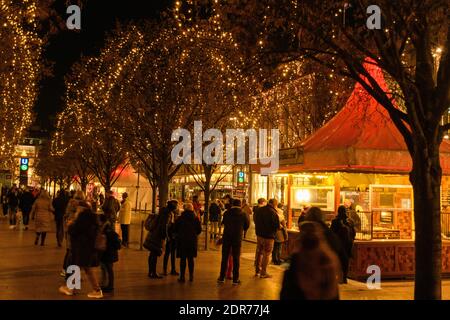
{"x":98,"y":18}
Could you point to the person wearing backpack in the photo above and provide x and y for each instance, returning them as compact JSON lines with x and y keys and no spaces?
{"x":345,"y":231}
{"x":110,"y":255}
{"x":157,"y":233}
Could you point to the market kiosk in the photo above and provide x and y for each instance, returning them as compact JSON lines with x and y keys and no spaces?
{"x":359,"y":157}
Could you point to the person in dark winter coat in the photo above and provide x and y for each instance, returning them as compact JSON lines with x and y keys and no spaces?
{"x":352,"y":214}
{"x":4,"y":200}
{"x":171,"y":243}
{"x":26,"y":204}
{"x":110,"y":255}
{"x":60,"y":206}
{"x":83,"y":234}
{"x":157,"y":237}
{"x":266,"y":226}
{"x":214,"y":216}
{"x":187,"y":229}
{"x":111,"y":207}
{"x":314,"y":214}
{"x":13,"y":204}
{"x":343,"y":228}
{"x":314,"y":269}
{"x":235,"y":224}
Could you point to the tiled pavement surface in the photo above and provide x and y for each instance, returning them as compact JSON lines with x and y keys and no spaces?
{"x":32,"y":272}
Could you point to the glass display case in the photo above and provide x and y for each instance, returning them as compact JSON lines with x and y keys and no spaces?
{"x":390,"y":214}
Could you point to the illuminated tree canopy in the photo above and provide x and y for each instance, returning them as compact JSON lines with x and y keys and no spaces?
{"x":20,"y":65}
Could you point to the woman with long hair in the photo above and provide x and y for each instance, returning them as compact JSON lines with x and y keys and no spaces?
{"x":83,"y":233}
{"x":42,"y":213}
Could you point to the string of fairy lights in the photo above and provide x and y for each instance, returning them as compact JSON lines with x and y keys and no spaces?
{"x":20,"y":63}
{"x":175,"y":61}
{"x":175,"y":67}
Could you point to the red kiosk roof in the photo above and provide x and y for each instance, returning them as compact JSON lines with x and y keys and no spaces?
{"x":361,"y":137}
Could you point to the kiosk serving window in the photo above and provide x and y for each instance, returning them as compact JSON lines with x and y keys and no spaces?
{"x":391,"y":212}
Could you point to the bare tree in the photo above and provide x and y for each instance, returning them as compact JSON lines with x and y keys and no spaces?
{"x":412,"y":47}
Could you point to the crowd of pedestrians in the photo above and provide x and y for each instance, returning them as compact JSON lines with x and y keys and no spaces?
{"x":318,"y":264}
{"x":17,"y":204}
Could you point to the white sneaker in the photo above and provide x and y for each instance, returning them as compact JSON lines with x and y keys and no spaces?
{"x":12,"y":227}
{"x":95,"y":294}
{"x":66,"y":291}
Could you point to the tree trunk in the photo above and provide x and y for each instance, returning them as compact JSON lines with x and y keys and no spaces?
{"x":54,"y":188}
{"x":83,"y":183}
{"x":426,"y":180}
{"x":154,"y":198}
{"x":163,"y":184}
{"x":107,"y":185}
{"x":207,"y":189}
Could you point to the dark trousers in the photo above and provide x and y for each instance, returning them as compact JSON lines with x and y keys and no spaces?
{"x":12,"y":215}
{"x":26,"y":217}
{"x":152,"y":261}
{"x":190,"y":261}
{"x":59,"y":230}
{"x":5,"y":209}
{"x":67,"y":261}
{"x":276,"y":253}
{"x":171,"y":247}
{"x":107,"y":275}
{"x":125,"y":234}
{"x":236,"y":253}
{"x":42,"y":235}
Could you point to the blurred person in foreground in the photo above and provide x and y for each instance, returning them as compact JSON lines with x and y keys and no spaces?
{"x":314,"y":270}
{"x":315,"y":214}
{"x":83,"y":234}
{"x":78,"y":199}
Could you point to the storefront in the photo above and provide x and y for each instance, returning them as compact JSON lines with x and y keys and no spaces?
{"x":226,"y":180}
{"x":359,"y":158}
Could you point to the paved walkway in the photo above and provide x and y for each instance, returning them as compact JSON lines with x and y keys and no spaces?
{"x":32,"y":272}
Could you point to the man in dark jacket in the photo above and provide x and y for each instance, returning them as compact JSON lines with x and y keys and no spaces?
{"x":157,"y":237}
{"x":235,"y":223}
{"x":26,"y":203}
{"x":171,"y":243}
{"x":60,"y":205}
{"x":343,"y":228}
{"x":266,"y":226}
{"x":314,"y":214}
{"x":5,"y":200}
{"x":214,"y":215}
{"x":13,"y":204}
{"x":111,"y":207}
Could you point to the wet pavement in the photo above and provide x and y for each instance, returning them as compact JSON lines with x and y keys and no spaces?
{"x":29,"y":272}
